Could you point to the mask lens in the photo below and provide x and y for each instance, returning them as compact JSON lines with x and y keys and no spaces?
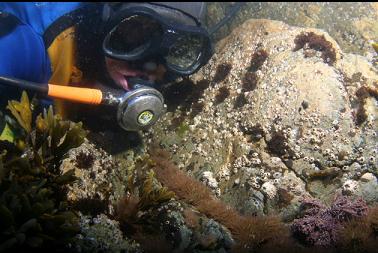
{"x":134,"y":34}
{"x":186,"y":51}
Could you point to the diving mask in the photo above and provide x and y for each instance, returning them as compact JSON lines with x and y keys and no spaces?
{"x":138,"y":31}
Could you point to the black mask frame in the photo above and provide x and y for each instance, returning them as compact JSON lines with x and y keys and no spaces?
{"x":159,"y":46}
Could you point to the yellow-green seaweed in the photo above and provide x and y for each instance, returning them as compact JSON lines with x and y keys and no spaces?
{"x":33,"y":209}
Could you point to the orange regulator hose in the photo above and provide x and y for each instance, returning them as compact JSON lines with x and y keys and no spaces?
{"x":76,"y":94}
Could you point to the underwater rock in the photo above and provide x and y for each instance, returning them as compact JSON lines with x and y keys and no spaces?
{"x":368,"y":177}
{"x":352,"y":25}
{"x":368,"y":190}
{"x":103,"y":181}
{"x":99,"y":182}
{"x":101,"y":234}
{"x":311,"y":115}
{"x":217,"y":239}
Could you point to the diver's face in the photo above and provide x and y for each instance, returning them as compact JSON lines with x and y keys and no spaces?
{"x":120,"y":71}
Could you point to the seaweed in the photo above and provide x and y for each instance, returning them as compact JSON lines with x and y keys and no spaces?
{"x":187,"y":95}
{"x":327,"y":173}
{"x":135,"y":211}
{"x":360,"y":234}
{"x":354,"y":236}
{"x":321,"y":225}
{"x":316,"y":42}
{"x":196,"y":109}
{"x":222,"y":94}
{"x":152,"y":193}
{"x":240,"y":101}
{"x":223,"y":70}
{"x":250,"y":78}
{"x":191,"y":219}
{"x":84,"y":160}
{"x":278,"y":144}
{"x":148,"y":194}
{"x":176,"y":122}
{"x":201,"y":86}
{"x":255,"y":132}
{"x":356,"y":77}
{"x":257,"y":60}
{"x":178,"y":93}
{"x":361,"y":115}
{"x":249,"y":82}
{"x":127,"y":209}
{"x":284,"y":197}
{"x":362,"y":94}
{"x":33,"y":205}
{"x":254,"y":233}
{"x":318,"y":226}
{"x":22,"y":111}
{"x":372,"y":218}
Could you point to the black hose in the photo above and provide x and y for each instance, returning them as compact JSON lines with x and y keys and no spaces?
{"x":22,"y":84}
{"x":235,"y":8}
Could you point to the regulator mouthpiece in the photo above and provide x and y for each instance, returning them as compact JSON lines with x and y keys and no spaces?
{"x":140,"y":108}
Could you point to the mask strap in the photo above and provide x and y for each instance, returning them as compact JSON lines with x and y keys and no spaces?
{"x":230,"y":15}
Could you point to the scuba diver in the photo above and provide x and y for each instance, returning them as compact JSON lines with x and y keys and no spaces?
{"x":112,"y":54}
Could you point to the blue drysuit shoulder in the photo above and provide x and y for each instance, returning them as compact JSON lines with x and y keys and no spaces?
{"x":23,"y":53}
{"x":23,"y":56}
{"x":39,"y":15}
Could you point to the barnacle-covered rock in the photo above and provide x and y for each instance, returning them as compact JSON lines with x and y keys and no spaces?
{"x":97,"y":186}
{"x":291,"y":96}
{"x":353,"y":25}
{"x":101,"y":234}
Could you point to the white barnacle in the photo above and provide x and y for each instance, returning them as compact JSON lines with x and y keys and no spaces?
{"x":371,"y":159}
{"x":361,"y":159}
{"x":350,"y":186}
{"x":269,"y":189}
{"x":277,"y":174}
{"x":256,"y":186}
{"x":276,"y":181}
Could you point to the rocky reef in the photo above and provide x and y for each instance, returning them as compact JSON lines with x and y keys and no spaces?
{"x":352,"y":25}
{"x":280,"y":113}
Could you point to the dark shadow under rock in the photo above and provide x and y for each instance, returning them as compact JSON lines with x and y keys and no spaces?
{"x":91,"y":206}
